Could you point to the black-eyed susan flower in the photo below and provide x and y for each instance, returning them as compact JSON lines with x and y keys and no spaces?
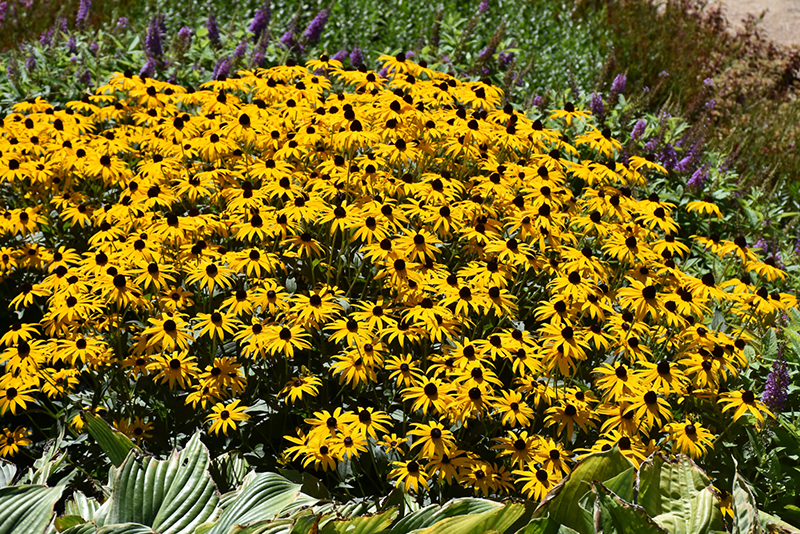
{"x":225,"y":416}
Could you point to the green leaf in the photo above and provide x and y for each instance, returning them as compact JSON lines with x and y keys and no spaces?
{"x":434,"y":513}
{"x":262,"y":500}
{"x":126,"y":528}
{"x":82,"y":506}
{"x":27,"y":508}
{"x":500,"y":519}
{"x":7,"y":472}
{"x":620,"y":517}
{"x":562,"y":502}
{"x":541,"y":525}
{"x":362,"y":524}
{"x":769,"y":344}
{"x":775,"y":525}
{"x":66,"y":521}
{"x":678,"y":496}
{"x":113,"y":442}
{"x":172,"y":496}
{"x":745,"y":512}
{"x":622,"y":484}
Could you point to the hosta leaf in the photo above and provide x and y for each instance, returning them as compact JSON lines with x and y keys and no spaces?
{"x":678,"y":496}
{"x":114,"y":443}
{"x":82,"y":506}
{"x":27,"y":508}
{"x":541,"y":525}
{"x":67,"y":521}
{"x":773,"y":525}
{"x":262,"y":500}
{"x":434,"y":513}
{"x":7,"y":472}
{"x":745,"y":512}
{"x":372,"y":524}
{"x":499,"y":519}
{"x":563,"y":501}
{"x":126,"y":528}
{"x":172,"y":496}
{"x":620,"y":517}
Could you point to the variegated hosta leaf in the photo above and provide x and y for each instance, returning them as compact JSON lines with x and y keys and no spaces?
{"x":745,"y":512}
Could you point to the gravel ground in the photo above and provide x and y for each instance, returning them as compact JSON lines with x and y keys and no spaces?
{"x":781,"y":18}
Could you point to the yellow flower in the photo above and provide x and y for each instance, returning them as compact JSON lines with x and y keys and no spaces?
{"x":225,"y":416}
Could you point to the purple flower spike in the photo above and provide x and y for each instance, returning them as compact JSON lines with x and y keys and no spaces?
{"x":122,"y":23}
{"x":83,"y":13}
{"x":148,"y":69}
{"x":213,"y":30}
{"x":314,"y":30}
{"x":340,"y":56}
{"x":222,"y":69}
{"x":356,"y":58}
{"x":260,"y":21}
{"x":152,"y":42}
{"x":638,"y":129}
{"x":596,"y":105}
{"x":483,"y":7}
{"x":777,"y":387}
{"x":698,"y":179}
{"x":240,"y":50}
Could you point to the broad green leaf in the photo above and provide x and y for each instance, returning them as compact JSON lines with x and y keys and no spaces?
{"x":678,"y":496}
{"x":172,"y":496}
{"x":262,"y":500}
{"x":541,"y":525}
{"x":745,"y":512}
{"x":82,"y":506}
{"x":7,"y":472}
{"x":500,"y":519}
{"x":774,"y":525}
{"x":126,"y":528}
{"x":620,"y":517}
{"x":66,"y":521}
{"x":372,"y":524}
{"x":113,"y":442}
{"x":622,"y":484}
{"x":563,"y":501}
{"x":27,"y":508}
{"x":84,"y":528}
{"x":273,"y":526}
{"x":434,"y":513}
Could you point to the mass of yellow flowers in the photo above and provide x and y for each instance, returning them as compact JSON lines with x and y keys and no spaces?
{"x":410,"y":274}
